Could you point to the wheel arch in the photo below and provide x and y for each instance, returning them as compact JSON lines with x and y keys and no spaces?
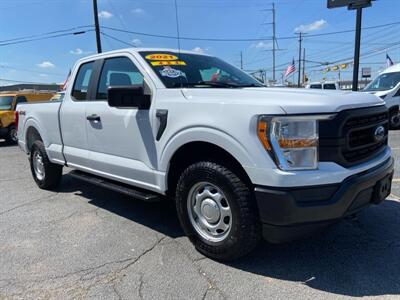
{"x":196,"y":151}
{"x":32,"y":135}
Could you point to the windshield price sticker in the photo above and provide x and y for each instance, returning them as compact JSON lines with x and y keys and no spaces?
{"x":168,"y":63}
{"x":172,"y":73}
{"x":163,"y":57}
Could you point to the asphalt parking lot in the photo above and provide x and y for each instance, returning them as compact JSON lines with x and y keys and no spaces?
{"x":85,"y":242}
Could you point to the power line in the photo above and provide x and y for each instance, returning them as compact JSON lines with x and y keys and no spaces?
{"x":117,"y":39}
{"x":46,"y":33}
{"x":190,"y":38}
{"x":20,"y":81}
{"x":45,"y":38}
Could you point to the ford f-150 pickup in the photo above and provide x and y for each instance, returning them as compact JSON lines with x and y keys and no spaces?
{"x":240,"y":160}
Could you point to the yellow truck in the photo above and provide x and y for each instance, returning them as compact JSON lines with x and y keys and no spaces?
{"x":8,"y":103}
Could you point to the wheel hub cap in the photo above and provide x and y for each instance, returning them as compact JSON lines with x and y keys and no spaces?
{"x":209,"y":211}
{"x":38,"y":165}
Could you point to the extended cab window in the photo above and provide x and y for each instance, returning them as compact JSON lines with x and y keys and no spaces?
{"x":81,"y":85}
{"x":315,"y":86}
{"x":119,"y":71}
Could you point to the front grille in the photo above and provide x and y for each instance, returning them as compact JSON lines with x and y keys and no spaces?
{"x":349,"y":138}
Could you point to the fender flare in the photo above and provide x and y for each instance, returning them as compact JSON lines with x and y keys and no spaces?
{"x":208,"y":135}
{"x":31,"y":122}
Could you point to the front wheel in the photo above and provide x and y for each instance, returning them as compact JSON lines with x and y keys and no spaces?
{"x":217,"y":211}
{"x":394,"y":119}
{"x":46,"y":174}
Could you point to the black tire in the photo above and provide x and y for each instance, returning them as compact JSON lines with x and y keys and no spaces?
{"x":245,"y":229}
{"x":394,"y":120}
{"x":11,"y":137}
{"x":52,"y":172}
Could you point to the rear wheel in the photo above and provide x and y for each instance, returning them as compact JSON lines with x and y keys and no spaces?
{"x":11,"y":137}
{"x":217,"y":211}
{"x":46,"y":174}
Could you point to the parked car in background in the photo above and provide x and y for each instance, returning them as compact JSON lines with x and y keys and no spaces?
{"x":387,"y":87}
{"x":58,"y":97}
{"x":324,"y":85}
{"x":240,"y":160}
{"x":8,"y":104}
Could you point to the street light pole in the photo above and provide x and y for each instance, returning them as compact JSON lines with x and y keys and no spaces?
{"x":97,"y":26}
{"x":357,"y":50}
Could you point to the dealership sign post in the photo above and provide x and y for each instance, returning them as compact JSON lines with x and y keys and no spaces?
{"x":351,"y":5}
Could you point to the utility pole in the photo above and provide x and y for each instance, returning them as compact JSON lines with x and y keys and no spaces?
{"x":304,"y":65}
{"x":97,"y":26}
{"x":299,"y":71}
{"x":275,"y":46}
{"x":241,"y":60}
{"x":273,"y":41}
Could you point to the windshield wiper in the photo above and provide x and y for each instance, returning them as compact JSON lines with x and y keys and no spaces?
{"x":219,"y":84}
{"x":252,"y":85}
{"x":209,"y":83}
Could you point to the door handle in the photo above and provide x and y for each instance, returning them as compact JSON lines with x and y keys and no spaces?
{"x":93,"y":118}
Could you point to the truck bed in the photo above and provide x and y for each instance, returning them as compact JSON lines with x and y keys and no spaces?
{"x":44,"y":117}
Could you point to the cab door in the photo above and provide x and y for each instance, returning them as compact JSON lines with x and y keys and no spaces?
{"x":121,"y":141}
{"x":73,"y":118}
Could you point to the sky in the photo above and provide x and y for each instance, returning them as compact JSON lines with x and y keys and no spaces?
{"x":49,"y":60}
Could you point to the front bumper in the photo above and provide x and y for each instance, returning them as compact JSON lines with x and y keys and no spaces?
{"x":289,"y":213}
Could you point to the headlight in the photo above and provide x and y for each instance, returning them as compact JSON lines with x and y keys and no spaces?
{"x":291,"y":141}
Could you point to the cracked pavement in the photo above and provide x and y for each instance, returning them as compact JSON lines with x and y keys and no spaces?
{"x":84,"y":242}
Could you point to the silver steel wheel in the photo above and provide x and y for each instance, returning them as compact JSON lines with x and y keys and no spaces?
{"x":38,"y":165}
{"x":209,"y":211}
{"x":13,"y":135}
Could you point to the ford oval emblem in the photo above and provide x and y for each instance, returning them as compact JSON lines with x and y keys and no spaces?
{"x":379,"y":133}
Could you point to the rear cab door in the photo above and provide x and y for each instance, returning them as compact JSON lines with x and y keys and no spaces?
{"x":73,"y":117}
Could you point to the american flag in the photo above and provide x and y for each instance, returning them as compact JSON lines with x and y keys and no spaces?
{"x":389,"y":61}
{"x":290,"y":69}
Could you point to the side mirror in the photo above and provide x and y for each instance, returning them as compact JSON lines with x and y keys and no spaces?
{"x":128,"y":97}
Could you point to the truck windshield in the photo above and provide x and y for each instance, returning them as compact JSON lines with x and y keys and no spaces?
{"x":178,"y":70}
{"x":6,"y":102}
{"x":383,"y":82}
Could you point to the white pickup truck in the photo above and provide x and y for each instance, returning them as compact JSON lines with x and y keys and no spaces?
{"x":240,"y":160}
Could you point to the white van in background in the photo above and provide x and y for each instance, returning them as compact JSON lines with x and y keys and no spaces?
{"x":387,"y":87}
{"x":324,"y":85}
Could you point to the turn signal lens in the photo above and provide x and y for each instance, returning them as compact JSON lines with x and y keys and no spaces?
{"x":262,"y":131}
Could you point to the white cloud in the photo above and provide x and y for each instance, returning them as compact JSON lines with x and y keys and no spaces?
{"x":138,"y":11}
{"x":105,"y":14}
{"x":79,"y":51}
{"x":199,"y":49}
{"x":43,"y":75}
{"x":262,"y":45}
{"x":46,"y":65}
{"x":136,"y":42}
{"x":317,"y":25}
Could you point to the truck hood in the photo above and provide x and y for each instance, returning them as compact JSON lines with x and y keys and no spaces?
{"x":292,"y":101}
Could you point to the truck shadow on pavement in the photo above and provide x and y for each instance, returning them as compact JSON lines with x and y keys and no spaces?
{"x":356,"y":257}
